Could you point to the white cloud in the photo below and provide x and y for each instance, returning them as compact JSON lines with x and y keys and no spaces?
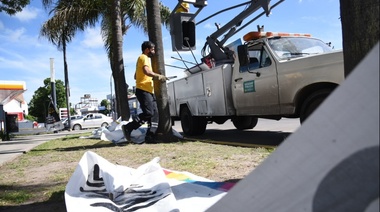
{"x":14,"y":35}
{"x":28,"y":13}
{"x":209,"y":26}
{"x":93,"y":38}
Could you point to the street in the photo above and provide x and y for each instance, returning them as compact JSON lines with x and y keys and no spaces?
{"x":20,"y":145}
{"x":266,"y":133}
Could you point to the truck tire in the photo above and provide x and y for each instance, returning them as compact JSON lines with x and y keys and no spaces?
{"x":244,"y":122}
{"x":312,"y":103}
{"x":192,"y":125}
{"x":202,"y":124}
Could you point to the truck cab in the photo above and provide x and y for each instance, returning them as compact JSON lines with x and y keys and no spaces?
{"x":276,"y":73}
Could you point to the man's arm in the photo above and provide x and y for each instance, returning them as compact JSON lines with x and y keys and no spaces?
{"x":148,"y":72}
{"x":155,"y":76}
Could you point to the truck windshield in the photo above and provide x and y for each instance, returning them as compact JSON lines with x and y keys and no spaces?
{"x":291,"y":47}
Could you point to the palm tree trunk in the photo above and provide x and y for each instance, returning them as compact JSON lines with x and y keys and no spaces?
{"x":360,"y":30}
{"x":117,"y":63}
{"x":160,"y":90}
{"x":67,"y":87}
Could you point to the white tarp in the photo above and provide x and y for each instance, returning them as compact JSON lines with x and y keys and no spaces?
{"x":98,"y":185}
{"x":331,"y":163}
{"x":114,"y":133}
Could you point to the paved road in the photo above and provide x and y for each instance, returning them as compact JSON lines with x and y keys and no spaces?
{"x":266,"y":133}
{"x":21,"y":144}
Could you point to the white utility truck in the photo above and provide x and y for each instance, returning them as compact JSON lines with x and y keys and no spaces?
{"x":270,"y":75}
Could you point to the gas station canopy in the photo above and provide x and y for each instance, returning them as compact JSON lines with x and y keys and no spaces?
{"x":10,"y":90}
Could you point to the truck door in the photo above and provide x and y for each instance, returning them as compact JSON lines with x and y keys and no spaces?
{"x":255,"y":86}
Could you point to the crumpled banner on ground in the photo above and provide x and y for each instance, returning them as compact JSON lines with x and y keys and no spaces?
{"x":98,"y":185}
{"x":115,"y":134}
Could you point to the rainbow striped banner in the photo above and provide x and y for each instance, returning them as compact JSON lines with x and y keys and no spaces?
{"x":189,"y":178}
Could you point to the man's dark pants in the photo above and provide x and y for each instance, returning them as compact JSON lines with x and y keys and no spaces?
{"x":149,"y":113}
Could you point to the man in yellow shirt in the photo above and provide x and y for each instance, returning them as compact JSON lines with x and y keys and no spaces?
{"x":145,"y":94}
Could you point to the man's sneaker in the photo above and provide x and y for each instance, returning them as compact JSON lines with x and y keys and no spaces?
{"x":126,"y":132}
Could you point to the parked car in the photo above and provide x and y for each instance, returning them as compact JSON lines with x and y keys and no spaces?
{"x":72,"y":118}
{"x":91,"y":120}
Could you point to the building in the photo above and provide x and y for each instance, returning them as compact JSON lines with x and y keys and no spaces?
{"x":12,"y":99}
{"x":87,"y":105}
{"x":12,"y":105}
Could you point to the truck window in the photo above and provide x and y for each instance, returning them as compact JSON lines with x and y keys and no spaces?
{"x":292,"y":47}
{"x":258,"y":58}
{"x":265,"y":60}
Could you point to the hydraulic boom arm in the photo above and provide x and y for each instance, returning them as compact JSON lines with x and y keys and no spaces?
{"x":218,"y":52}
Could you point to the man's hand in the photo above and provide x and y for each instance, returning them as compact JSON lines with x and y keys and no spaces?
{"x":160,"y":77}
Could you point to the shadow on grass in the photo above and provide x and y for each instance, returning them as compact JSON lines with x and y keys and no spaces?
{"x":232,"y":181}
{"x":242,"y":138}
{"x":48,"y":206}
{"x":100,"y":144}
{"x":55,"y":203}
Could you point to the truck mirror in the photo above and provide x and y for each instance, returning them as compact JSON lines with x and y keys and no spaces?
{"x":243,"y":55}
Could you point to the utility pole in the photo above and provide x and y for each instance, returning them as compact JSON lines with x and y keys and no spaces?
{"x":52,"y":83}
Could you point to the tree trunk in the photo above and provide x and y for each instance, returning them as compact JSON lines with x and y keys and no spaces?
{"x":117,"y":63}
{"x":360,"y":30}
{"x":67,"y":87}
{"x":158,"y":65}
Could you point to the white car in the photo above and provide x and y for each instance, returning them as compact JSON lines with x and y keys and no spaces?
{"x":64,"y":121}
{"x":91,"y":120}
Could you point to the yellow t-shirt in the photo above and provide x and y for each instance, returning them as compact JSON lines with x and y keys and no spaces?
{"x":181,"y":10}
{"x":143,"y":81}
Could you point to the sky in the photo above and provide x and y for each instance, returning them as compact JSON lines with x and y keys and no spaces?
{"x":25,"y":56}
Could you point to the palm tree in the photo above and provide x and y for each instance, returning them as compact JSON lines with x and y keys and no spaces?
{"x":114,"y":14}
{"x":158,"y":65}
{"x":59,"y":35}
{"x":360,"y":30}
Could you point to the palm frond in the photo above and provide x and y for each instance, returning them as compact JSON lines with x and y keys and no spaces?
{"x":165,"y":15}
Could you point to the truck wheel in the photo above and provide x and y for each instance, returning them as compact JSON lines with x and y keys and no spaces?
{"x":192,"y":125}
{"x":202,"y":124}
{"x":312,"y":103}
{"x":244,"y":122}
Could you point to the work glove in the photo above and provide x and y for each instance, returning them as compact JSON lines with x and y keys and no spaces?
{"x":160,"y":77}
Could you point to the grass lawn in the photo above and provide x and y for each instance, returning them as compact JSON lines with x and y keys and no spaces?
{"x":36,"y":180}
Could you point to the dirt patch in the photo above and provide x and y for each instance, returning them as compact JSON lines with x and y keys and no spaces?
{"x":42,"y":174}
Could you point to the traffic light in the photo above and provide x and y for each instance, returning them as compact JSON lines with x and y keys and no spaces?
{"x":182,"y":31}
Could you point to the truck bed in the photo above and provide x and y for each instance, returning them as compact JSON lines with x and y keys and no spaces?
{"x":206,"y":93}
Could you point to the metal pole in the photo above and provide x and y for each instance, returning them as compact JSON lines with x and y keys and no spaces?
{"x":52,"y":82}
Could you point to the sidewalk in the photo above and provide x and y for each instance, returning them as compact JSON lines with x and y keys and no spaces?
{"x":21,"y":144}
